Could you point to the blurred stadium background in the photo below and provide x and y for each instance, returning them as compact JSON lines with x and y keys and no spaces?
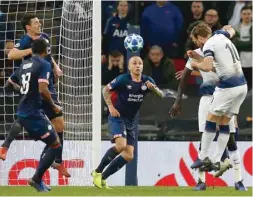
{"x":163,"y":24}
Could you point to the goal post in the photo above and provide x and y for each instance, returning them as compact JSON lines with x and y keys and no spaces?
{"x":96,"y":82}
{"x":74,"y":28}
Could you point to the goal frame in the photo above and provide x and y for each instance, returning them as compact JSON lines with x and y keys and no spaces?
{"x":96,"y":83}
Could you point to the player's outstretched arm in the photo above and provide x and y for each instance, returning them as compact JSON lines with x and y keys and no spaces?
{"x":16,"y":54}
{"x":175,"y":109}
{"x":154,"y":89}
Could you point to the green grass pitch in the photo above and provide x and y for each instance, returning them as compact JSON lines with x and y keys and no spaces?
{"x":124,"y":191}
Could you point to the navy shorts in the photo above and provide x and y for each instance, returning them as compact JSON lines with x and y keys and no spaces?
{"x":49,"y":111}
{"x":123,"y":127}
{"x":39,"y":128}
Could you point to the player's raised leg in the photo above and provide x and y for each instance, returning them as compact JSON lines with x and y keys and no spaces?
{"x":58,"y":123}
{"x":41,"y":129}
{"x":13,"y":133}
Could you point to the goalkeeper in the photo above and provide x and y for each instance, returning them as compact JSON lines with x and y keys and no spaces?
{"x":123,"y":96}
{"x":22,"y":50}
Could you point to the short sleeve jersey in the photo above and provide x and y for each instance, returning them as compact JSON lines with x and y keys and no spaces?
{"x":127,"y":95}
{"x":28,"y":76}
{"x":26,"y":42}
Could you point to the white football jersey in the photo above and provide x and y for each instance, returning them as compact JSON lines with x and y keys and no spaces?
{"x":210,"y":79}
{"x":226,"y":61}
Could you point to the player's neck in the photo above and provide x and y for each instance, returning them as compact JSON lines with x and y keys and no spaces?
{"x":136,"y":78}
{"x":34,"y":37}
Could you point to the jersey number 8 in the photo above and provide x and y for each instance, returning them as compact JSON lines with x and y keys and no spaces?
{"x":25,"y":83}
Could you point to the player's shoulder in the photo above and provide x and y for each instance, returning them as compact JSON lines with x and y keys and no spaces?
{"x":23,"y":40}
{"x":111,"y":20}
{"x":40,"y":61}
{"x":44,"y":35}
{"x":124,"y":77}
{"x":147,"y":78}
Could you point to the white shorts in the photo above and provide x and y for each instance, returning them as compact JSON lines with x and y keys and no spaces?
{"x":204,"y":104}
{"x":227,"y":101}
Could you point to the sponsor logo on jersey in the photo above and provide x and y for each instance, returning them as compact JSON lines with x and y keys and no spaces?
{"x":129,"y":87}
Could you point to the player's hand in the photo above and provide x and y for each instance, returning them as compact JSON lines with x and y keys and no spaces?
{"x":194,"y":55}
{"x":194,"y":65}
{"x":175,"y":109}
{"x":57,"y":109}
{"x":150,"y":85}
{"x":114,"y":112}
{"x":179,"y":74}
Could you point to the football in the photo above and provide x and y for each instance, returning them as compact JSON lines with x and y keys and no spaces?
{"x":133,"y":43}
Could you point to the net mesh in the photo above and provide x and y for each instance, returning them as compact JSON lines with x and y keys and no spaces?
{"x":69,"y":26}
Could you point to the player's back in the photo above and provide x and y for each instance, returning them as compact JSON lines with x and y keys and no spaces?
{"x":226,"y":61}
{"x":28,"y":75}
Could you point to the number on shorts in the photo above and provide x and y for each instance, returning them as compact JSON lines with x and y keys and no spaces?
{"x":25,"y":83}
{"x":233,"y":52}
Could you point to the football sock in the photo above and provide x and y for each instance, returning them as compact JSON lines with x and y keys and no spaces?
{"x":60,"y":134}
{"x":236,"y":162}
{"x":202,"y":176}
{"x":45,"y":162}
{"x":114,"y":166}
{"x":108,"y":157}
{"x":207,"y":138}
{"x":44,"y":151}
{"x":221,"y":142}
{"x":224,"y":155}
{"x":13,"y":133}
{"x":58,"y":159}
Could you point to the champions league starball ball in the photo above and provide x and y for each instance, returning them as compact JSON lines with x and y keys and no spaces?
{"x":133,"y":43}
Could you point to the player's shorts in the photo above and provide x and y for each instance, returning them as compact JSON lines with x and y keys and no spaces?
{"x":39,"y":128}
{"x":227,"y":101}
{"x":122,"y":127}
{"x":49,"y":110}
{"x":204,"y":104}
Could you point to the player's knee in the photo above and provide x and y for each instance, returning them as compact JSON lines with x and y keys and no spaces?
{"x":224,"y":120}
{"x":232,"y":146}
{"x":130,"y":156}
{"x":55,"y":144}
{"x":212,"y":117}
{"x":120,"y":147}
{"x":58,"y":124}
{"x":120,"y":144}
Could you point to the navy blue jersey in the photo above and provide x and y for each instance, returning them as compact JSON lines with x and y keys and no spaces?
{"x":26,"y":43}
{"x":28,"y":75}
{"x":115,"y":32}
{"x":127,"y":95}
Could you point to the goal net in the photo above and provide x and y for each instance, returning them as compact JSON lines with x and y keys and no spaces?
{"x":69,"y":25}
